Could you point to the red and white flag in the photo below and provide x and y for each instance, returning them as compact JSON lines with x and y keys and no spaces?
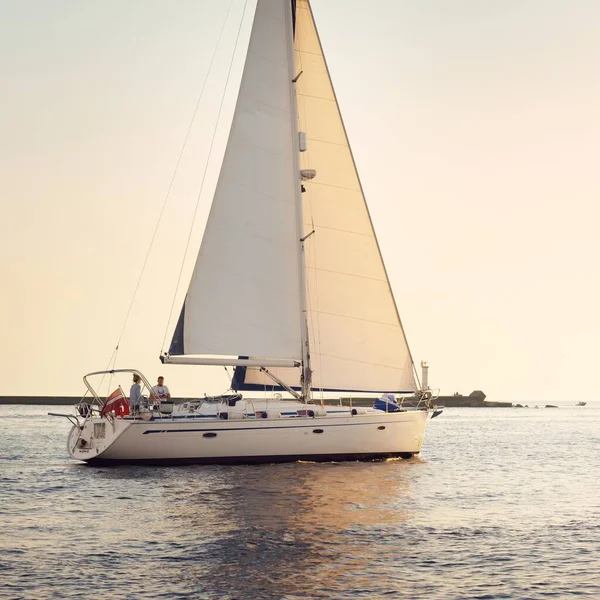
{"x":117,"y":403}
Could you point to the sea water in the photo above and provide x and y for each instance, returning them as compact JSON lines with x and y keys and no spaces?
{"x":502,"y":503}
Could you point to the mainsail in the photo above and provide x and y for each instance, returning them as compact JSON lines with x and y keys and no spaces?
{"x":246,"y":293}
{"x":356,"y":339}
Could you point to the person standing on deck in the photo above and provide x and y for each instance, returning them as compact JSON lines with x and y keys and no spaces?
{"x":135,"y":393}
{"x":161,"y":391}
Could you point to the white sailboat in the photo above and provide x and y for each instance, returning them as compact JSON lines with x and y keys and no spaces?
{"x":289,"y":226}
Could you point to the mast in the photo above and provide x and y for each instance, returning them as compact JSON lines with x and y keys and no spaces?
{"x":306,"y":376}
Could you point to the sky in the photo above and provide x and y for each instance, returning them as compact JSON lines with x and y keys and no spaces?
{"x":476,"y":131}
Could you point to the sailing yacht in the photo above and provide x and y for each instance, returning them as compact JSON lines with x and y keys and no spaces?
{"x":316,"y":317}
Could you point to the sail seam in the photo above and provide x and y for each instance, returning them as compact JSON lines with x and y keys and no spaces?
{"x":309,"y":52}
{"x":344,"y":231}
{"x":314,"y":139}
{"x":364,"y":362}
{"x":323,"y":312}
{"x":317,"y":97}
{"x":339,"y":187}
{"x":343,"y":273}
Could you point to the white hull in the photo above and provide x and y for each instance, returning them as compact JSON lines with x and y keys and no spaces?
{"x":339,"y":435}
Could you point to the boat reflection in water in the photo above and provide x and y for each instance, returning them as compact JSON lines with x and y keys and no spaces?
{"x":282,"y":530}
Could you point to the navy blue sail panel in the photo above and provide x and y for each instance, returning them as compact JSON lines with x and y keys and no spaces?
{"x":238,"y":383}
{"x":239,"y":376}
{"x":176,"y":348}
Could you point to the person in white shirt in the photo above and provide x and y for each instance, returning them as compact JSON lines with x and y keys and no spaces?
{"x":161,"y":391}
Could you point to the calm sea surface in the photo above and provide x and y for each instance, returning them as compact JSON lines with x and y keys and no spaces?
{"x":502,"y":503}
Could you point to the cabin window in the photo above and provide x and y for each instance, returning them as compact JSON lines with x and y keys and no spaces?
{"x":317,"y":431}
{"x":210,"y":434}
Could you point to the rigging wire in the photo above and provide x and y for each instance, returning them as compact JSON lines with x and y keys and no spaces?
{"x":317,"y":336}
{"x":167,"y":195}
{"x":187,"y":245}
{"x":229,"y":377}
{"x":112,"y":359}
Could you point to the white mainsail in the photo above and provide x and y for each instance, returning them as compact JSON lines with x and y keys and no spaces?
{"x":356,"y":339}
{"x":244,"y":295}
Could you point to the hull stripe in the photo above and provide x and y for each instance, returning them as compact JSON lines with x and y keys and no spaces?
{"x":217,"y":429}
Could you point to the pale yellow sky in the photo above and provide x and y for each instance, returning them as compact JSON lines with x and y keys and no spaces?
{"x":475,"y":126}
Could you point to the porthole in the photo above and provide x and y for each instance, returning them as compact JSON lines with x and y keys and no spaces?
{"x":381,"y":427}
{"x":317,"y":431}
{"x":211,"y":434}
